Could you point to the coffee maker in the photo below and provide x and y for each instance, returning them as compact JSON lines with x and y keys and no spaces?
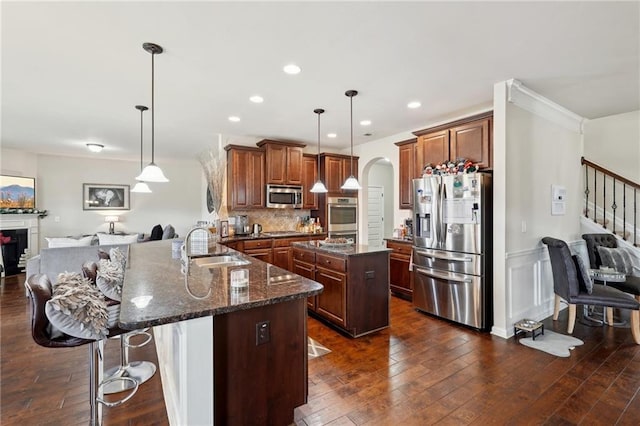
{"x":242,"y":225}
{"x":408,"y":225}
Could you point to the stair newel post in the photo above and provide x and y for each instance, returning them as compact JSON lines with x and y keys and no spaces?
{"x":586,"y":191}
{"x":614,"y":206}
{"x":604,"y":201}
{"x":624,"y":211}
{"x":595,"y":192}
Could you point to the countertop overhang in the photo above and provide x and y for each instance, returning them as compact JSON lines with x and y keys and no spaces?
{"x":155,"y":291}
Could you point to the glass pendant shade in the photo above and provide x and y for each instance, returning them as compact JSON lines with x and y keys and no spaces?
{"x":141,"y":187}
{"x":152,"y":173}
{"x":318,"y":187}
{"x":351,"y":183}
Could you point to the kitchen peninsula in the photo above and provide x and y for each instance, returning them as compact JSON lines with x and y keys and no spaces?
{"x":226,"y":356}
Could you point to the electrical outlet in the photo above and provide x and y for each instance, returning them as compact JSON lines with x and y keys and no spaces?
{"x":262,"y":332}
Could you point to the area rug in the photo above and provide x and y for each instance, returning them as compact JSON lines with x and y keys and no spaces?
{"x":315,"y":349}
{"x":553,"y":343}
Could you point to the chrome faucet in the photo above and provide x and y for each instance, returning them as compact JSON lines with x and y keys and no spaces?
{"x":185,"y":260}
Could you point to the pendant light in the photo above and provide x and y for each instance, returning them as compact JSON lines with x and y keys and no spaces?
{"x":319,"y":187}
{"x":351,"y":183}
{"x":141,"y":186}
{"x":152,"y":173}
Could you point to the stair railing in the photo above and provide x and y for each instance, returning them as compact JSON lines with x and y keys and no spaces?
{"x":619,"y":186}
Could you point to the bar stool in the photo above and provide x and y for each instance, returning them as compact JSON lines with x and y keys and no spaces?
{"x":39,"y":290}
{"x":140,"y":371}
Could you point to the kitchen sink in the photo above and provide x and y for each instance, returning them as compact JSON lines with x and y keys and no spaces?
{"x":219,"y":261}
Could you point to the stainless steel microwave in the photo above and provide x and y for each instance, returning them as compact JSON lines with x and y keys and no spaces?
{"x":284,"y":196}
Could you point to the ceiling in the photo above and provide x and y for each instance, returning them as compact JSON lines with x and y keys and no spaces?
{"x":72,"y":72}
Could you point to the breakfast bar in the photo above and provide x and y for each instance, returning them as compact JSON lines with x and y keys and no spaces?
{"x":226,"y":355}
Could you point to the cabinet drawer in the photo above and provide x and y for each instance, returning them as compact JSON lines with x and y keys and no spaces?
{"x":255,"y":244}
{"x":330,"y":262}
{"x":286,"y":242}
{"x":400,"y":248}
{"x":304,"y":256}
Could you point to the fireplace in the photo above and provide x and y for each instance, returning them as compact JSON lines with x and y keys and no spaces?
{"x":23,"y":230}
{"x":13,"y":243}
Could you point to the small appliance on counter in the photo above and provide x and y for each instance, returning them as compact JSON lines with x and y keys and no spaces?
{"x":408,"y":226}
{"x":242,"y":225}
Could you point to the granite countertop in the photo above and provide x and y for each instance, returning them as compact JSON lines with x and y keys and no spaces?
{"x":272,"y":234}
{"x":400,"y":240}
{"x":155,"y":292}
{"x":340,"y":250}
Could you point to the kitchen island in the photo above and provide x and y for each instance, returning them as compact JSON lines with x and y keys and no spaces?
{"x":355,"y":277}
{"x":226,"y":356}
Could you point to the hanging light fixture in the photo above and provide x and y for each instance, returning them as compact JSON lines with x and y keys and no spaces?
{"x":152,"y":173}
{"x":141,"y":186}
{"x":351,"y":183}
{"x":319,"y":187}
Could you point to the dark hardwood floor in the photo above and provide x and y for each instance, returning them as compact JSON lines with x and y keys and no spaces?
{"x":421,"y":370}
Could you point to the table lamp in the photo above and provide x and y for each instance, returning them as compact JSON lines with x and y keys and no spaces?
{"x":111,"y":220}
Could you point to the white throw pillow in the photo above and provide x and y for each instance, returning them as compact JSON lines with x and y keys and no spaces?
{"x":77,"y":308}
{"x":69,"y":242}
{"x":111,"y":239}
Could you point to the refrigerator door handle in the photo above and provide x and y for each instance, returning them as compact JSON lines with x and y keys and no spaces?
{"x":439,"y":256}
{"x":444,"y":276}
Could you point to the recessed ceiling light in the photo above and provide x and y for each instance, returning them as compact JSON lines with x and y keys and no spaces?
{"x":365,"y":122}
{"x":256,"y":99}
{"x":234,"y":118}
{"x":332,"y":135}
{"x":414,"y":104}
{"x":291,"y":69}
{"x":95,"y":147}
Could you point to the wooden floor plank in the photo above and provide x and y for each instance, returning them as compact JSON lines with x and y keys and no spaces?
{"x":421,"y":370}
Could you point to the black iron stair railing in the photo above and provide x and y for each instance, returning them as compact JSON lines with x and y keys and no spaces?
{"x":619,"y":186}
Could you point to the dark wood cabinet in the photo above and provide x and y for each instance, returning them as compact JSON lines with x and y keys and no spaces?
{"x":400,"y":278}
{"x":309,"y":177}
{"x":283,"y":162}
{"x":472,"y":141}
{"x":260,"y":249}
{"x":409,"y":169}
{"x":245,"y":177}
{"x":335,"y":169}
{"x":468,"y":138}
{"x":282,"y":257}
{"x":355,"y":297}
{"x":331,"y":303}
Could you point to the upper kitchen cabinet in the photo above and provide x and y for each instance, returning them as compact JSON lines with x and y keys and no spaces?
{"x":283,"y":162}
{"x":335,"y":169}
{"x":309,"y":177}
{"x":409,"y":169}
{"x":245,"y":177}
{"x":468,"y":138}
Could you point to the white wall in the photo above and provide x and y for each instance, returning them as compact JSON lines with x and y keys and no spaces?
{"x":614,"y":143}
{"x":536,"y":147}
{"x":59,"y":191}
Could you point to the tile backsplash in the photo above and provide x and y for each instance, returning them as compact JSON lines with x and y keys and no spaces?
{"x":273,"y":219}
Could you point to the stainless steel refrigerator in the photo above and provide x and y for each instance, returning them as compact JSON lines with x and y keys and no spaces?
{"x":452,"y":263}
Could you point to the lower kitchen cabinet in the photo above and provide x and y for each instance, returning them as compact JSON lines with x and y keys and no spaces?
{"x":355,"y":297}
{"x":400,"y":278}
{"x":260,"y":249}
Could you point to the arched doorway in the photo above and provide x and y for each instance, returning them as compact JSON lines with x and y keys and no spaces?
{"x":377,"y":197}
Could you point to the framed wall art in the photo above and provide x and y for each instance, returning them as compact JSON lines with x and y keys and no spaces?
{"x":101,"y":196}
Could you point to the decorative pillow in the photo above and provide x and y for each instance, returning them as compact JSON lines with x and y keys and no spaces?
{"x":168,"y":233}
{"x":110,"y":274}
{"x":156,"y":233}
{"x":111,"y":239}
{"x":616,"y":258}
{"x":69,"y":242}
{"x":77,"y":308}
{"x":583,"y":274}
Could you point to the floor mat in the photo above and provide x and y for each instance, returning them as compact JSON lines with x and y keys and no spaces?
{"x":553,"y":343}
{"x":315,"y":349}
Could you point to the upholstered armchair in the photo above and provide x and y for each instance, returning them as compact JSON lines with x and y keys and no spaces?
{"x":575,"y":287}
